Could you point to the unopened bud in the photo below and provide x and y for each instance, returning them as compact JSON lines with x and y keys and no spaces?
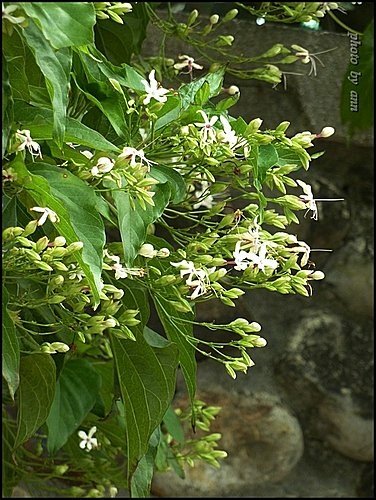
{"x":75,"y":246}
{"x":60,"y":347}
{"x":163,"y":253}
{"x":231,"y":14}
{"x":318,"y":275}
{"x":233,"y":90}
{"x":30,"y":228}
{"x":25,"y":242}
{"x":61,"y":469}
{"x":326,"y":132}
{"x":110,"y":323}
{"x":41,"y":244}
{"x":214,"y":19}
{"x":147,"y":250}
{"x":192,"y":17}
{"x":59,"y":241}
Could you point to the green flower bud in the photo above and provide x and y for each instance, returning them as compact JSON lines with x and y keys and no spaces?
{"x":56,"y":299}
{"x":283,"y":126}
{"x":75,"y":246}
{"x":231,"y":14}
{"x":253,"y":126}
{"x":25,"y":242}
{"x":57,"y":280}
{"x":59,"y":241}
{"x":30,"y":228}
{"x":214,"y":19}
{"x":60,"y":266}
{"x":41,"y":244}
{"x":31,"y":254}
{"x":60,"y":470}
{"x":192,"y":17}
{"x":60,"y":347}
{"x":43,"y":265}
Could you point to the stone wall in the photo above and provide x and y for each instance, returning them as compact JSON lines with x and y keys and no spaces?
{"x":300,"y":424}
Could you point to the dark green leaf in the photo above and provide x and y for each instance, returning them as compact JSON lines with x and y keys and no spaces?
{"x":39,"y":122}
{"x":188,"y":91}
{"x":267,"y":158}
{"x":76,"y":392}
{"x":64,"y":24}
{"x":11,"y":350}
{"x":173,"y":425}
{"x":9,"y":211}
{"x":173,"y":178}
{"x":143,"y":475}
{"x":147,"y":382}
{"x":178,"y":331}
{"x":35,"y":394}
{"x":40,"y":191}
{"x":56,"y":67}
{"x":169,"y":112}
{"x":7,"y":111}
{"x":119,"y":41}
{"x":133,"y":223}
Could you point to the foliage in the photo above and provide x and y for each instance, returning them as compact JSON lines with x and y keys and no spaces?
{"x":120,"y":195}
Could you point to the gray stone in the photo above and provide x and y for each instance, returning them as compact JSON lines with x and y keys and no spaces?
{"x":327,"y":372}
{"x":263,"y":439}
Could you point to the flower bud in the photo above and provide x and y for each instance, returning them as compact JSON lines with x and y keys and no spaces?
{"x":163,"y":253}
{"x":61,"y":469}
{"x":233,"y":90}
{"x":318,"y":275}
{"x":41,"y":244}
{"x":56,"y":299}
{"x":253,"y":126}
{"x":60,"y":266}
{"x":30,"y":227}
{"x":25,"y":242}
{"x":147,"y":250}
{"x":110,"y":323}
{"x":326,"y":132}
{"x":192,"y":17}
{"x":231,"y":14}
{"x":60,"y":347}
{"x":214,"y":19}
{"x":59,"y":241}
{"x":75,"y":246}
{"x":184,"y":130}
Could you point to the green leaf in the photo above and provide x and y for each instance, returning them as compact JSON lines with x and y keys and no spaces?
{"x":56,"y":67}
{"x":133,"y":223}
{"x":11,"y":349}
{"x":7,"y":111}
{"x":177,"y":331}
{"x":26,"y":78}
{"x":39,"y":122}
{"x":35,"y":394}
{"x":188,"y":91}
{"x":9,"y":211}
{"x":119,"y":41}
{"x":267,"y":158}
{"x":64,"y":24}
{"x":40,"y":190}
{"x":168,"y":113}
{"x":76,"y":392}
{"x":173,"y":425}
{"x":81,"y":203}
{"x":146,"y":371}
{"x":99,"y":90}
{"x":143,"y":475}
{"x":173,"y":178}
{"x":357,"y":86}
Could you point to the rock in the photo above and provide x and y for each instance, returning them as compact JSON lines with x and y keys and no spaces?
{"x":263,"y":440}
{"x":327,"y":373}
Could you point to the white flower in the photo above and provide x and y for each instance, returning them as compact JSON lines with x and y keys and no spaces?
{"x":103,"y":166}
{"x":197,"y":278}
{"x":115,"y":258}
{"x":305,"y":249}
{"x":75,"y":273}
{"x":27,"y":142}
{"x":187,"y":62}
{"x":153,"y":90}
{"x":88,"y":441}
{"x":147,"y":250}
{"x":208,"y":135}
{"x":207,"y":200}
{"x":6,"y":11}
{"x":310,"y":200}
{"x":240,"y":257}
{"x":120,"y":271}
{"x":260,"y":259}
{"x":227,"y":134}
{"x":163,"y":253}
{"x":47,"y":213}
{"x":260,"y":21}
{"x":133,"y":153}
{"x":88,"y":154}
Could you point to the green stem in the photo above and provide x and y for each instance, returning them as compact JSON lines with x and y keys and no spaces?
{"x":343,"y":25}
